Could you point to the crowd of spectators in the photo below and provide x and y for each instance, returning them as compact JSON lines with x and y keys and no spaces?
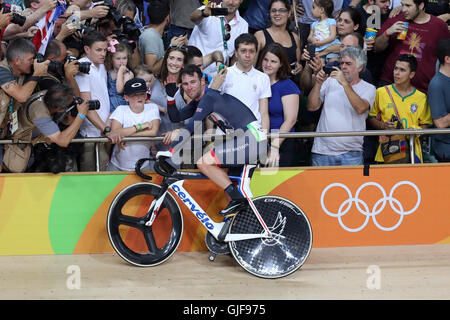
{"x":82,"y":69}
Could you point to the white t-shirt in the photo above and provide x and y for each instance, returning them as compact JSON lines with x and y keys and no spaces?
{"x":95,"y":82}
{"x":248,"y":87}
{"x":339,"y":115}
{"x":207,"y":37}
{"x":125,"y":159}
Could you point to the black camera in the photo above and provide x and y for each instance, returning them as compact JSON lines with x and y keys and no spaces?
{"x":72,"y":108}
{"x":85,"y":29}
{"x":53,"y":67}
{"x":130,"y":29}
{"x":219,"y":11}
{"x":16,"y":18}
{"x":113,"y":14}
{"x":122,"y":38}
{"x":393,"y":118}
{"x":83,"y":67}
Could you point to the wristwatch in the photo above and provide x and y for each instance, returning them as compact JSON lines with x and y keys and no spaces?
{"x":106,"y":130}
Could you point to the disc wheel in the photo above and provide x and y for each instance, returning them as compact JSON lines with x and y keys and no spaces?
{"x":135,"y":242}
{"x":280,"y":255}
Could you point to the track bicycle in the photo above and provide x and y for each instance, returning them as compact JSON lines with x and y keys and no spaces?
{"x":270,"y":238}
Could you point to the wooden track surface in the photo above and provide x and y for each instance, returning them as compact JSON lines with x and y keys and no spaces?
{"x":405,"y":272}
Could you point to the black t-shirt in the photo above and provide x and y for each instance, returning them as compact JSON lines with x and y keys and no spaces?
{"x":437,"y":7}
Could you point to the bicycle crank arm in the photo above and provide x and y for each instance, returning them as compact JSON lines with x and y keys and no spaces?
{"x":246,"y":236}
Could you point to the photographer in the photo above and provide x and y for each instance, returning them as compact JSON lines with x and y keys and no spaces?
{"x":19,"y":62}
{"x":43,"y":113}
{"x":60,"y":69}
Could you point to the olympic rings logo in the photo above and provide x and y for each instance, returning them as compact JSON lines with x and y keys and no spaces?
{"x":378,"y":207}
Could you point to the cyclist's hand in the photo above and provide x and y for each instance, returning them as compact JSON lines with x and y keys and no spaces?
{"x":170,"y":136}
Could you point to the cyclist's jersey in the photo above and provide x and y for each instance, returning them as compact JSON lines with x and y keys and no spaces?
{"x":247,"y":135}
{"x":232,"y":109}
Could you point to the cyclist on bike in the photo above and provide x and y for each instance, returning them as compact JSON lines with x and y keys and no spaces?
{"x":247,"y":144}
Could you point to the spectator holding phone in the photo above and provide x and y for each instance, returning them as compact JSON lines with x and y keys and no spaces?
{"x":346,"y":101}
{"x":216,"y":28}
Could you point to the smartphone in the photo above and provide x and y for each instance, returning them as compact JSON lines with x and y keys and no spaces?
{"x":221,"y":67}
{"x":328,"y":70}
{"x":311,"y":51}
{"x":219,"y":11}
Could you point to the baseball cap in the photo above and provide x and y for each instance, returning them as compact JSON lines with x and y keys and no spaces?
{"x":135,"y":85}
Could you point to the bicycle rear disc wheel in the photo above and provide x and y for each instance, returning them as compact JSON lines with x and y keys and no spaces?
{"x":280,"y":255}
{"x":136,"y":243}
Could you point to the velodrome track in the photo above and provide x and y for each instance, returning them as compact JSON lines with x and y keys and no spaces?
{"x":402,"y":272}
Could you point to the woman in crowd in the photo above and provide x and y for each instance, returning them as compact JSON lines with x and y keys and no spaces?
{"x":165,"y":90}
{"x":283,"y":105}
{"x":348,"y":21}
{"x":278,"y":32}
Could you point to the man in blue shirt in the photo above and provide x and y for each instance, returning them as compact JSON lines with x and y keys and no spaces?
{"x":439,"y":101}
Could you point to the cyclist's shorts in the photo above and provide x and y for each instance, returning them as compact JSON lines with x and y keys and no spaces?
{"x":237,"y":150}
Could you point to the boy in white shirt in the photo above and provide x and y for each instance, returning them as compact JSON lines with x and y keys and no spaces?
{"x":137,"y":119}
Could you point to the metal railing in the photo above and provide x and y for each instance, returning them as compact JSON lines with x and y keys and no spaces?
{"x":305,"y":134}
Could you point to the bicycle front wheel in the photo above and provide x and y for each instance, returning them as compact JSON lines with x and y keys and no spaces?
{"x":135,"y":242}
{"x":289,"y":246}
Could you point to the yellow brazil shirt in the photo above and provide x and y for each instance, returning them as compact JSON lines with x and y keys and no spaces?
{"x":413,"y":110}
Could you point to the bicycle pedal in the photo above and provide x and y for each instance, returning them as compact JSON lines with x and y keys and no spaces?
{"x":216,"y":247}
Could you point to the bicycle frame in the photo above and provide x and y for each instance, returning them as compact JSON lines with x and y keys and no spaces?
{"x":213,"y":227}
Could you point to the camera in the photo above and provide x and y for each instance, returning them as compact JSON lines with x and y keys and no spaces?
{"x":130,"y":29}
{"x":122,"y":38}
{"x":53,"y":67}
{"x":219,"y":11}
{"x":16,"y":18}
{"x":85,"y":29}
{"x":393,"y":118}
{"x":72,"y":108}
{"x":83,"y":67}
{"x":328,"y":70}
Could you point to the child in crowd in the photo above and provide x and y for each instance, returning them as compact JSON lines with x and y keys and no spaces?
{"x":116,"y":63}
{"x":323,"y":32}
{"x":144,"y":72}
{"x":138,"y":119}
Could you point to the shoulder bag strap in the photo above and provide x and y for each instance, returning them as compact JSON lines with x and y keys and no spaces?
{"x":395,"y":106}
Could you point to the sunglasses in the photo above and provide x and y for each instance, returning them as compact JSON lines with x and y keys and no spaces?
{"x":281,"y":10}
{"x":226,"y":28}
{"x":180,"y":48}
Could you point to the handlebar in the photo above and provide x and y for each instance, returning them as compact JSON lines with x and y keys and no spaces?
{"x":161,"y":167}
{"x":138,"y":166}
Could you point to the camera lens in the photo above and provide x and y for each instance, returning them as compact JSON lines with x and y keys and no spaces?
{"x":18,"y":19}
{"x":94,"y":104}
{"x":84,"y":67}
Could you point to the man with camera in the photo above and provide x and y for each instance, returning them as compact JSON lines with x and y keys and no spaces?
{"x":61,"y":68}
{"x":44,"y":112}
{"x":19,"y":62}
{"x":216,"y":28}
{"x":93,"y":85}
{"x":346,"y":101}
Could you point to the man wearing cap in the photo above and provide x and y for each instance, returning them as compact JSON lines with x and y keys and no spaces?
{"x":137,"y":119}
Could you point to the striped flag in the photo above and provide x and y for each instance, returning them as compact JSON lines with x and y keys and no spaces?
{"x":46,"y":25}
